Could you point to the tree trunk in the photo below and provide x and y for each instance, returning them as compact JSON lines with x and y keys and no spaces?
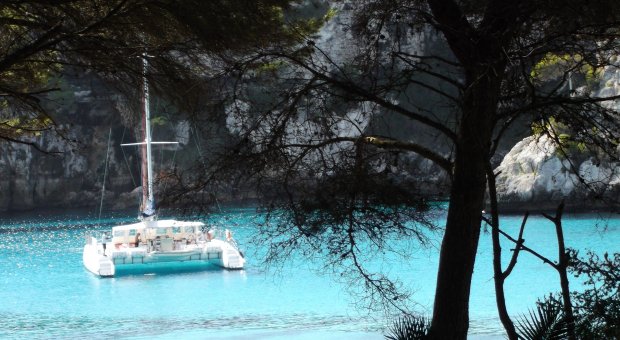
{"x":561,"y":267}
{"x":458,"y":254}
{"x":499,"y":276}
{"x":481,"y":53}
{"x":456,"y":264}
{"x":460,"y":242}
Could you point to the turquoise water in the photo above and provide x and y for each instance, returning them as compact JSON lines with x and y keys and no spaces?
{"x":46,"y":293}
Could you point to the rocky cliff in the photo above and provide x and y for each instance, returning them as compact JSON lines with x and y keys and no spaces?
{"x":71,"y":174}
{"x":535,"y":175}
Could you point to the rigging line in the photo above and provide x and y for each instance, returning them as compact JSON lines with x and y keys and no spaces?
{"x":125,"y":157}
{"x":161,"y":156}
{"x":202,"y":159}
{"x":157,"y":111}
{"x":176,"y":137}
{"x":174,"y":155}
{"x":158,"y":108}
{"x":105,"y":172}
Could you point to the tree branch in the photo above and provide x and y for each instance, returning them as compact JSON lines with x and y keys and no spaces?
{"x":384,"y":143}
{"x":365,"y":94}
{"x":515,"y":254}
{"x":529,"y":250}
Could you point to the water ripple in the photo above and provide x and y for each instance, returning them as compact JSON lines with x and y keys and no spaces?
{"x":16,"y":326}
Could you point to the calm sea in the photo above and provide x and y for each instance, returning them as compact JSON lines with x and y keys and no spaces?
{"x":46,"y":293}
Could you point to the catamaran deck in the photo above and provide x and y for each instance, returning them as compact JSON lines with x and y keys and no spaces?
{"x":165,"y":243}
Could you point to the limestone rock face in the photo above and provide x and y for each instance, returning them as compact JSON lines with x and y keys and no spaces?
{"x":531,"y":171}
{"x":71,"y":176}
{"x":534,"y":175}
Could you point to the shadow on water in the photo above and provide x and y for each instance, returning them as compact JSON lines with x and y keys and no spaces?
{"x":69,"y":220}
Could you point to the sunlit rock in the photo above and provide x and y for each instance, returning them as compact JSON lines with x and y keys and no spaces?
{"x":536,"y":175}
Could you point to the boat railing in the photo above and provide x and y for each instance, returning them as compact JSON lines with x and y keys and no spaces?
{"x":93,"y":239}
{"x":233,"y":242}
{"x":224,"y":235}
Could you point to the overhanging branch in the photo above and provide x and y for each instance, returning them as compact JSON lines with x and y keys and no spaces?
{"x":383,"y":143}
{"x":363,"y":93}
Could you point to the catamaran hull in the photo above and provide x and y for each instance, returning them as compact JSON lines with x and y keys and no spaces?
{"x":214,"y":253}
{"x":97,"y":264}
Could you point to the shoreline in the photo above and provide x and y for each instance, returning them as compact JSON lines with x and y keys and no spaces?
{"x":505,"y":208}
{"x":550,"y":207}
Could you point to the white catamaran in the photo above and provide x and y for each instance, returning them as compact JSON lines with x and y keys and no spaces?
{"x":153,"y":242}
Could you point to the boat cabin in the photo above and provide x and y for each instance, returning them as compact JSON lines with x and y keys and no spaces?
{"x":164,"y":231}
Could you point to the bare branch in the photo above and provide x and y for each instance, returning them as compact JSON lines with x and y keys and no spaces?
{"x":529,"y":250}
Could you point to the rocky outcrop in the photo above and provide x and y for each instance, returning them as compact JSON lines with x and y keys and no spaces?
{"x":71,"y":174}
{"x":534,"y":175}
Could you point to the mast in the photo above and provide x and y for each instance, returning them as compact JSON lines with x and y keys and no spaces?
{"x":148,"y":199}
{"x":148,"y":195}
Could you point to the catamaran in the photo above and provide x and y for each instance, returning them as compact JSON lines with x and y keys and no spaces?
{"x":156,"y":243}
